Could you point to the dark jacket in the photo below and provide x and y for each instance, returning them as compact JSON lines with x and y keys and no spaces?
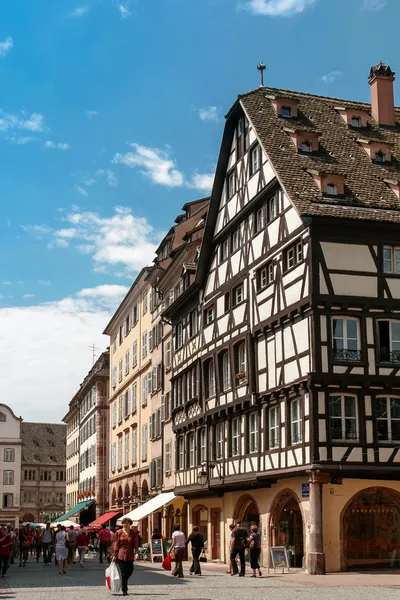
{"x":197,"y":541}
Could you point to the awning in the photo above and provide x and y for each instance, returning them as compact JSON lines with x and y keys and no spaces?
{"x":104,"y":518}
{"x":74,"y":511}
{"x":150,"y":506}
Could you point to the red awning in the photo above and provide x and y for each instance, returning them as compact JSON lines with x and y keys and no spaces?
{"x":104,"y":518}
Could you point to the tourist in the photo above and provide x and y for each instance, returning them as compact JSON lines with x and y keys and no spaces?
{"x":104,"y":537}
{"x":197,"y":542}
{"x":179,"y":545}
{"x":71,"y":545}
{"x":6,"y":543}
{"x":61,"y":550}
{"x":238,"y":548}
{"x":125,"y":547}
{"x":82,"y":540}
{"x":231,"y":528}
{"x":11,"y":532}
{"x":38,"y":542}
{"x":48,"y":536}
{"x":254,"y":543}
{"x":25,"y":542}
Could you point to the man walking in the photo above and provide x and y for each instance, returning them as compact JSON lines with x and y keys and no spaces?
{"x":71,"y":537}
{"x":238,"y":548}
{"x":5,"y":547}
{"x":104,"y":543}
{"x":48,"y":536}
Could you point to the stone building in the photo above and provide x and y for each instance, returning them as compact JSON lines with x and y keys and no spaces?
{"x":10,"y":466}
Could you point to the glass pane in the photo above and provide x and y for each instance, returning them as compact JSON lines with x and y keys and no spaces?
{"x":381,"y":408}
{"x":338,"y":327}
{"x":395,"y":326}
{"x":272,"y":417}
{"x":382,"y":428}
{"x":352,"y":344}
{"x":336,"y":429}
{"x":335,"y":406}
{"x":349,"y":406}
{"x":396,"y":430}
{"x":351,"y":429}
{"x":387,"y":254}
{"x":294,"y":411}
{"x":395,"y":408}
{"x":387,"y":266}
{"x":352,"y":329}
{"x":338,"y":344}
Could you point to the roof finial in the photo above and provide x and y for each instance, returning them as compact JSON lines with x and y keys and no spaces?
{"x":261,"y":67}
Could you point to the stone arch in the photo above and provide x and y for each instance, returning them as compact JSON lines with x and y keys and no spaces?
{"x":243,"y":505}
{"x":200,"y":518}
{"x":120,"y":494}
{"x":114,"y":497}
{"x":281,"y":500}
{"x":145,"y":491}
{"x":127,"y":492}
{"x":379,"y":493}
{"x":134,"y":490}
{"x":28,"y":518}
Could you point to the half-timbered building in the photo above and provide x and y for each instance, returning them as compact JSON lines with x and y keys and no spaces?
{"x":286,"y":389}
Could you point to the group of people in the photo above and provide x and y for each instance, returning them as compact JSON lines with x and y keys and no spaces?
{"x":239,"y":542}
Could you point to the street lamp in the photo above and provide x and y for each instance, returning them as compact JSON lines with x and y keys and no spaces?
{"x":203,"y":476}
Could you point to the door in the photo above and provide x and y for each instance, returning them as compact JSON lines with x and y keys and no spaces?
{"x":215,"y":533}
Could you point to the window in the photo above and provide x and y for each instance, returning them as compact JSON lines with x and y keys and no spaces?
{"x":355,"y":122}
{"x":144,"y":441}
{"x":226,"y":380}
{"x":127,"y":326}
{"x":127,"y":403}
{"x":345,"y":339}
{"x":273,"y":427}
{"x":255,"y":159}
{"x":144,"y":302}
{"x":241,"y":363}
{"x":190,"y":442}
{"x":391,"y":259}
{"x":8,"y":500}
{"x":144,"y":344}
{"x":219,"y":440}
{"x":134,"y":445}
{"x":379,"y":157}
{"x":168,"y":355}
{"x":238,"y":295}
{"x":114,"y":343}
{"x":293,"y":255}
{"x":30,"y":475}
{"x":272,"y":207}
{"x":167,"y":457}
{"x":193,"y":327}
{"x":178,"y":335}
{"x":259,"y":220}
{"x":8,"y":478}
{"x":114,"y":414}
{"x":120,"y":407}
{"x":296,"y":434}
{"x":286,"y":111}
{"x":121,"y":334}
{"x":331,"y":189}
{"x":209,"y":376}
{"x":265,"y":276}
{"x":151,"y":343}
{"x":120,"y":364}
{"x":242,"y":142}
{"x":253,"y":433}
{"x":306,"y":147}
{"x":114,"y":377}
{"x":209,"y":315}
{"x":203,"y":446}
{"x":134,"y":398}
{"x":388,"y":419}
{"x":126,"y":463}
{"x":231,"y":184}
{"x":127,"y":362}
{"x":235,"y":437}
{"x":224,"y":250}
{"x":113,"y":457}
{"x":389,"y":341}
{"x":144,"y":391}
{"x":134,"y":354}
{"x":9,"y":455}
{"x":45,"y":476}
{"x":343,"y":417}
{"x":227,"y":302}
{"x":181,"y":454}
{"x":235,"y":240}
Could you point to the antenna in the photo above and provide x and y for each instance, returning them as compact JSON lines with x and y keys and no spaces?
{"x":261,"y":67}
{"x":93,"y":349}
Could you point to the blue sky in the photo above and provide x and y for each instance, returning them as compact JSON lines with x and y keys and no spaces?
{"x":111,"y":119}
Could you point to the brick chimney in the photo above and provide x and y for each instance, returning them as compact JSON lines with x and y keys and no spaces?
{"x":381,"y":80}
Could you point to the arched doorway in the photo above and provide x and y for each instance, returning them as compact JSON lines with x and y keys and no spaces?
{"x":145,"y":491}
{"x":120,"y":494}
{"x":114,"y":497}
{"x":247,"y":511}
{"x":126,"y":494}
{"x":200,"y":519}
{"x":134,"y":492}
{"x":286,"y":526}
{"x":370,"y":530}
{"x":169,"y":522}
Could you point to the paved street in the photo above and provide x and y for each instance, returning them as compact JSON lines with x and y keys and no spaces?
{"x":150,"y":582}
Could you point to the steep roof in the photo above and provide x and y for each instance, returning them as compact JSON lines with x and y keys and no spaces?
{"x":43,"y":443}
{"x":366,"y":196}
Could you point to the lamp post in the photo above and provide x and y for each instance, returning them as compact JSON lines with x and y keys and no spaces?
{"x":204,"y":475}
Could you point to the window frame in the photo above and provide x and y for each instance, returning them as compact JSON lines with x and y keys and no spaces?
{"x":287,"y":109}
{"x":331,"y":189}
{"x":6,"y":477}
{"x":226,"y":371}
{"x":345,"y":339}
{"x":235,"y":437}
{"x":359,"y":122}
{"x":392,"y":354}
{"x":273,"y":429}
{"x":255,"y":165}
{"x":265,"y":276}
{"x":231,"y":190}
{"x":389,"y":419}
{"x":296,"y":250}
{"x":219,"y":440}
{"x":343,"y":418}
{"x":296,"y":440}
{"x":393,"y":248}
{"x":238,"y":295}
{"x":9,"y":452}
{"x":253,"y":429}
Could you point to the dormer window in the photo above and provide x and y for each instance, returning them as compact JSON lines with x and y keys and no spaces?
{"x":355,"y":122}
{"x":379,"y":157}
{"x":286,"y":111}
{"x":306,"y":146}
{"x":331,"y":189}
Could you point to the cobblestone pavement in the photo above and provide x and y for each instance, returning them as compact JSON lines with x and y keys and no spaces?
{"x":150,"y":582}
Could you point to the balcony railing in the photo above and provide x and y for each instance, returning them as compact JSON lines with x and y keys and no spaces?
{"x":347,"y":355}
{"x":389,"y":357}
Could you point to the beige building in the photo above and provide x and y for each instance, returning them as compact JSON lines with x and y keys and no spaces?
{"x":10,"y":466}
{"x":131,"y":384}
{"x":43,"y":484}
{"x":72,"y":465}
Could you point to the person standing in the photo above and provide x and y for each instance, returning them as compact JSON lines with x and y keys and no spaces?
{"x":125,"y":547}
{"x":104,"y":543}
{"x":61,"y":550}
{"x":178,"y":544}
{"x":238,"y":548}
{"x":38,"y":541}
{"x":11,"y":532}
{"x":25,"y":542}
{"x":47,"y":544}
{"x":6,"y":543}
{"x":254,"y":543}
{"x":71,"y":544}
{"x":231,"y":528}
{"x":197,"y":541}
{"x":82,"y":540}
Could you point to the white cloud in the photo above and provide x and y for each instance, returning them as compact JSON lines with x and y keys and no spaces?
{"x":278,"y":8}
{"x":20,"y":282}
{"x":6,"y":282}
{"x":6,"y":46}
{"x":202,"y":182}
{"x":33,"y":123}
{"x":154,"y":163}
{"x":26,"y":296}
{"x":79,"y":11}
{"x":81,"y":190}
{"x":92,"y":113}
{"x":100,"y":175}
{"x":58,"y":145}
{"x":61,"y":333}
{"x":209,"y":113}
{"x":21,"y":141}
{"x":45,"y":282}
{"x":374,"y":5}
{"x":123,"y":7}
{"x":38,"y":231}
{"x":331,"y":77}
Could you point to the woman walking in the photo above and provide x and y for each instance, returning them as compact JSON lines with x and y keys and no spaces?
{"x":38,"y":541}
{"x":82,"y":540}
{"x":125,"y":547}
{"x":197,"y":542}
{"x":25,"y":542}
{"x":254,"y":542}
{"x":61,"y":550}
{"x":178,"y":543}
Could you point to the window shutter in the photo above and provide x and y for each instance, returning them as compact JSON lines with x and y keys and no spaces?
{"x":128,"y":402}
{"x":162,"y":408}
{"x":149,"y":382}
{"x":151,"y":427}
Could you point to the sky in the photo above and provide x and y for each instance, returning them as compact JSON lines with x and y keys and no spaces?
{"x":111,"y":117}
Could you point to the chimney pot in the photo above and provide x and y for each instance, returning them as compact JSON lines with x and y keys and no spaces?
{"x":381,"y":78}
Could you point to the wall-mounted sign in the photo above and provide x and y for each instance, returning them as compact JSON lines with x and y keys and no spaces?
{"x":305,"y":490}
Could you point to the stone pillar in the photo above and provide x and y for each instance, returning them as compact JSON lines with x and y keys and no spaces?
{"x":316,"y":555}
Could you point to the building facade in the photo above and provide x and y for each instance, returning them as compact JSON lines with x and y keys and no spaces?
{"x":285,"y":376}
{"x":10,"y":466}
{"x":43,"y":471}
{"x":88,"y":443}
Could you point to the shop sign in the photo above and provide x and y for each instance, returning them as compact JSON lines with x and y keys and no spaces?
{"x":279,"y":558}
{"x":305,"y":490}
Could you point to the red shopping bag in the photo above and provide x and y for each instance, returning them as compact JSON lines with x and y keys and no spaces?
{"x":167,"y":562}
